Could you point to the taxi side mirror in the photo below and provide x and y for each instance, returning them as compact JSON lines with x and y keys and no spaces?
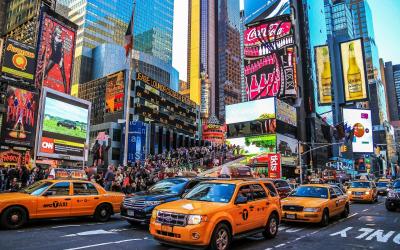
{"x":241,"y":200}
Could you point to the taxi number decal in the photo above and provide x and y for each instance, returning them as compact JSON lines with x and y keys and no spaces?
{"x":245,"y":214}
{"x":56,"y":204}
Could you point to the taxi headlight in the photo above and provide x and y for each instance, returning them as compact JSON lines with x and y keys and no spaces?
{"x":152,"y":203}
{"x":154,"y":214}
{"x":349,"y":192}
{"x":312,"y":209}
{"x":367,"y":193}
{"x":195,"y":219}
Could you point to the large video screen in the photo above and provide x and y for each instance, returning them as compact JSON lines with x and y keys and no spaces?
{"x":270,"y":60}
{"x":19,"y":127}
{"x":250,"y":111}
{"x":360,"y":121}
{"x":56,"y":47}
{"x":288,"y":148}
{"x":254,"y":145}
{"x":355,"y":87}
{"x":256,"y":10}
{"x":324,"y":74}
{"x":115,"y":92}
{"x":64,"y":126}
{"x":250,"y":128}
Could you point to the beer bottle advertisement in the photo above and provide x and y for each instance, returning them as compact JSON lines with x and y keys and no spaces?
{"x":324,"y":74}
{"x":353,"y":71}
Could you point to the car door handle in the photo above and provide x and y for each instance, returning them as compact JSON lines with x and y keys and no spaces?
{"x":96,"y":198}
{"x":67,"y":199}
{"x":267,"y":203}
{"x":251,"y":207}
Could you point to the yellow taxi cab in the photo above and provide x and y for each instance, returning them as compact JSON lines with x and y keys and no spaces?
{"x":315,"y":203}
{"x":215,"y":212}
{"x":58,"y":198}
{"x":363,"y":190}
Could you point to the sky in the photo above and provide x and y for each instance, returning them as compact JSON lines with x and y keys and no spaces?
{"x":385,"y":14}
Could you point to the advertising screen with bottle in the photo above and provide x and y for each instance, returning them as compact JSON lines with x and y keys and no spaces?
{"x":355,"y":87}
{"x":360,"y":121}
{"x":324,"y":74}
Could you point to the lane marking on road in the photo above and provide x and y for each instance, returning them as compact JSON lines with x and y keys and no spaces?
{"x":280,"y":245}
{"x":369,"y":234}
{"x":62,"y":226}
{"x":87,"y":233}
{"x":103,"y":244}
{"x":365,"y":210}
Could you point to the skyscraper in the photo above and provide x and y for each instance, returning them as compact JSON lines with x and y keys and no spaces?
{"x":339,"y":19}
{"x":392,"y":77}
{"x":214,"y":54}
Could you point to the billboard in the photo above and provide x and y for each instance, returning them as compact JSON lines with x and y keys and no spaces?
{"x":324,"y":74}
{"x":256,"y":10}
{"x":250,"y":111}
{"x":19,"y":60}
{"x":254,"y":145}
{"x":115,"y":92}
{"x":19,"y":125}
{"x":11,"y":157}
{"x":269,"y":59}
{"x":64,"y":130}
{"x":353,"y":68}
{"x":286,"y":113}
{"x":360,"y":121}
{"x":136,"y":141}
{"x":274,"y":166}
{"x":288,"y":148}
{"x":56,"y":45}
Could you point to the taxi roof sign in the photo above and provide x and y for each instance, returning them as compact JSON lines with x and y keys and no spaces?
{"x":67,"y":174}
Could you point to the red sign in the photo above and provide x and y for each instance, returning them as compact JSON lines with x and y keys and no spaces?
{"x":47,"y":145}
{"x":214,"y":133}
{"x":274,"y":166}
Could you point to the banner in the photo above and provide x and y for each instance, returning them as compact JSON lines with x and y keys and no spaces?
{"x":355,"y":87}
{"x":360,"y":121}
{"x":115,"y":92}
{"x":19,"y":60}
{"x":64,"y":130}
{"x":56,"y":45}
{"x":19,"y":126}
{"x":274,"y":166}
{"x":269,"y":59}
{"x":324,"y":74}
{"x":136,"y":141}
{"x":286,"y":113}
{"x":257,"y":10}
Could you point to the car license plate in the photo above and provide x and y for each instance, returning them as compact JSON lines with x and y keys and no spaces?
{"x":167,"y":229}
{"x":131,"y":212}
{"x":291,"y":216}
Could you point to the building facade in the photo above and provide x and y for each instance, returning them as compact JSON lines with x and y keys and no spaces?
{"x":392,"y":77}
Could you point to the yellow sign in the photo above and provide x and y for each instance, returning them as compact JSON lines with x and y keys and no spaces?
{"x":324,"y":75}
{"x":355,"y":87}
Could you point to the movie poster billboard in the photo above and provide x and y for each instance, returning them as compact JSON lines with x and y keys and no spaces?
{"x":353,"y":68}
{"x":324,"y":74}
{"x":270,"y":60}
{"x":19,"y":60}
{"x":12,"y":158}
{"x":286,"y":113}
{"x":257,"y":10}
{"x":64,"y":130}
{"x":56,"y":45}
{"x":360,"y":121}
{"x":19,"y":124}
{"x":115,"y":92}
{"x":250,"y":111}
{"x":136,"y":141}
{"x":288,"y":148}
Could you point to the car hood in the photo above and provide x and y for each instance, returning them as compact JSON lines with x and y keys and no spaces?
{"x":147,"y":196}
{"x":191,"y":207}
{"x":14,"y":196}
{"x":303,"y":201}
{"x":359,"y":189}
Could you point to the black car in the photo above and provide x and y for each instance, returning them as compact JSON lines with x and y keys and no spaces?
{"x":137,"y":208}
{"x":383,"y":187}
{"x":66,"y":124}
{"x":393,"y":196}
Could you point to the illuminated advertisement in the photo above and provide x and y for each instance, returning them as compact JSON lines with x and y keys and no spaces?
{"x":64,"y":126}
{"x":258,"y":127}
{"x":115,"y":92}
{"x":288,"y":148}
{"x":250,"y":111}
{"x":360,"y":121}
{"x":136,"y":141}
{"x":324,"y":74}
{"x":214,"y":133}
{"x":256,"y":10}
{"x":286,"y":113}
{"x":19,"y":60}
{"x":269,"y":59}
{"x":56,"y":47}
{"x":355,"y":87}
{"x":254,"y":145}
{"x":19,"y":125}
{"x":10,"y":157}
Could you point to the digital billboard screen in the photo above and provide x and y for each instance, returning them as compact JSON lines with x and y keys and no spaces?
{"x":250,"y":128}
{"x":286,"y":113}
{"x":56,"y":45}
{"x":250,"y":111}
{"x":360,"y":121}
{"x":64,"y":126}
{"x":324,"y":74}
{"x":115,"y":92}
{"x":19,"y":125}
{"x":256,"y":10}
{"x":354,"y":77}
{"x":19,"y":60}
{"x":270,"y":60}
{"x":288,"y":148}
{"x":254,"y":145}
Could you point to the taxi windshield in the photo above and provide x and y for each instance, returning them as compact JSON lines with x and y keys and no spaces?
{"x":212,"y":192}
{"x":382,"y":184}
{"x":360,"y":184}
{"x":37,"y":188}
{"x":173,"y":186}
{"x":396,"y":184}
{"x":310,"y":192}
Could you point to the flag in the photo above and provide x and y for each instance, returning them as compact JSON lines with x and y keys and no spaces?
{"x":129,"y":38}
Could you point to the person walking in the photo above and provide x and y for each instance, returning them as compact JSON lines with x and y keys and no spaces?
{"x":109,"y":178}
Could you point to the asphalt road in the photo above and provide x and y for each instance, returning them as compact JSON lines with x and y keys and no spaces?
{"x":369,"y":226}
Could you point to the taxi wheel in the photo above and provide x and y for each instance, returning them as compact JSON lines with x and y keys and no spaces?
{"x":390,"y":206}
{"x":346,"y":211}
{"x":221,"y":237}
{"x":325,"y":218}
{"x":13,"y":217}
{"x":271,"y":229}
{"x":102,"y":213}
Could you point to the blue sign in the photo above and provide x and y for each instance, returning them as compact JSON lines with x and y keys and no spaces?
{"x":136,"y":141}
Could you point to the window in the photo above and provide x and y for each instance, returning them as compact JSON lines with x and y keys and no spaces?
{"x":245,"y":191}
{"x":81,"y":188}
{"x":271,"y":189}
{"x":338,"y":191}
{"x":281,"y":184}
{"x":60,"y":189}
{"x":331,"y":192}
{"x":258,"y":192}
